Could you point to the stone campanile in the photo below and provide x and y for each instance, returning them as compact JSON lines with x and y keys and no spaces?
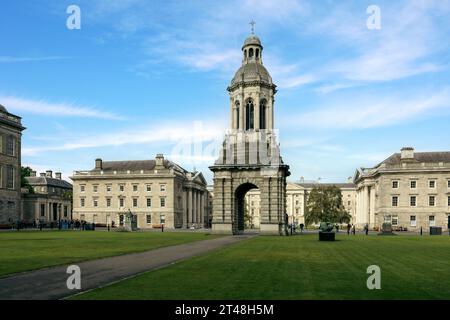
{"x":250,"y":154}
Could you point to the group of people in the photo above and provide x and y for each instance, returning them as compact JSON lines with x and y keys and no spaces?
{"x":351,"y":229}
{"x":62,"y":224}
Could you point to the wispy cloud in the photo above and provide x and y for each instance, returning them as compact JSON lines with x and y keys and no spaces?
{"x":42,"y":107}
{"x":405,"y":46}
{"x":371,"y":111}
{"x":9,"y":59}
{"x":175,"y":133}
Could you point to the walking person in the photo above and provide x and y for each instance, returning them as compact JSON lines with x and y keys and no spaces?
{"x":301,"y":227}
{"x":354,"y":230}
{"x":349,"y":227}
{"x":366,"y":229}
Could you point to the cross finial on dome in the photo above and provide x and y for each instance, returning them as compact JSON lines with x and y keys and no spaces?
{"x":252,"y":23}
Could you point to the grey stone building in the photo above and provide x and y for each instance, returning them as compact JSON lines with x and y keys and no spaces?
{"x":250,"y":154}
{"x":159,"y":192}
{"x":10,"y":167}
{"x":409,"y":189}
{"x":51,"y":200}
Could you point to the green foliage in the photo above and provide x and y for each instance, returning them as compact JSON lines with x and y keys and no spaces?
{"x":26,"y":172}
{"x":325,"y":205}
{"x":68,"y":195}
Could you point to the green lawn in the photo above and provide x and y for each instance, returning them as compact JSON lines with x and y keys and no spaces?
{"x":300,"y":267}
{"x":28,"y":250}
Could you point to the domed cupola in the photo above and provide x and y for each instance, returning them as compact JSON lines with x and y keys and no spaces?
{"x":252,"y":68}
{"x":252,"y":90}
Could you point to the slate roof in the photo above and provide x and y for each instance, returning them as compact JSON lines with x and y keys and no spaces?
{"x":136,"y":165}
{"x":427,"y":157}
{"x":47,"y":181}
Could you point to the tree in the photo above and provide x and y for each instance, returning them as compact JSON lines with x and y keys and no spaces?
{"x":325,"y":205}
{"x":26,"y":172}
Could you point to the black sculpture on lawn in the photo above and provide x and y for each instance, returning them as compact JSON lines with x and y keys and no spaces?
{"x":326,"y":231}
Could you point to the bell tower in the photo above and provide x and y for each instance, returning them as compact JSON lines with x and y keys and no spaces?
{"x":250,"y":154}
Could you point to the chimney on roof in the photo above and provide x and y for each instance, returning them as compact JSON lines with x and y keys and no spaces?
{"x":407,"y":153}
{"x":98,"y":164}
{"x":58,"y":175}
{"x":350,"y":179}
{"x":49,"y":173}
{"x":159,"y":159}
{"x":33,"y":173}
{"x":42,"y":174}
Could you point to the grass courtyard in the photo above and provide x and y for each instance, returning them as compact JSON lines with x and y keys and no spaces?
{"x":300,"y":267}
{"x":28,"y":250}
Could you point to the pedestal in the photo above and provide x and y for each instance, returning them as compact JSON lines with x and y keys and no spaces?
{"x":326,"y":236}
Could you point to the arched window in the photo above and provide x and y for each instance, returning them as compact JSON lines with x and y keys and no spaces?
{"x":249,"y":115}
{"x":257,"y":53}
{"x":236,"y":110}
{"x":262,"y":114}
{"x":250,"y":53}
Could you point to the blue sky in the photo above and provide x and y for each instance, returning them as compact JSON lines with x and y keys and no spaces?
{"x":147,"y":77}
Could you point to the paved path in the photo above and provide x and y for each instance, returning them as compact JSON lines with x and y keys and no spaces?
{"x":50,"y":283}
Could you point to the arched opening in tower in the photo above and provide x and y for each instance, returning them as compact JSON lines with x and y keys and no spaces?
{"x":247,"y":211}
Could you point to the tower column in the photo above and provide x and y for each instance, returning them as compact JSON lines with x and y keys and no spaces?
{"x":232,"y":120}
{"x":256,"y":111}
{"x":241,"y":112}
{"x":190,"y":216}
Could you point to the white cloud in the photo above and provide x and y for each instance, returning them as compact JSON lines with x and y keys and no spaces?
{"x":41,"y":107}
{"x":370,"y":112}
{"x":404,"y":47}
{"x":172,"y":133}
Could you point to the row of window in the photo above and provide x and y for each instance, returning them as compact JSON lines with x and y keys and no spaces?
{"x":413,"y":184}
{"x":413,"y":201}
{"x":249,"y":113}
{"x":162,"y":218}
{"x":393,"y":220}
{"x":121,"y":187}
{"x":148,"y":218}
{"x":95,"y":202}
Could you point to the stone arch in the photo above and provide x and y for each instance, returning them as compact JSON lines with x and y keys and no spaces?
{"x":239,"y":198}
